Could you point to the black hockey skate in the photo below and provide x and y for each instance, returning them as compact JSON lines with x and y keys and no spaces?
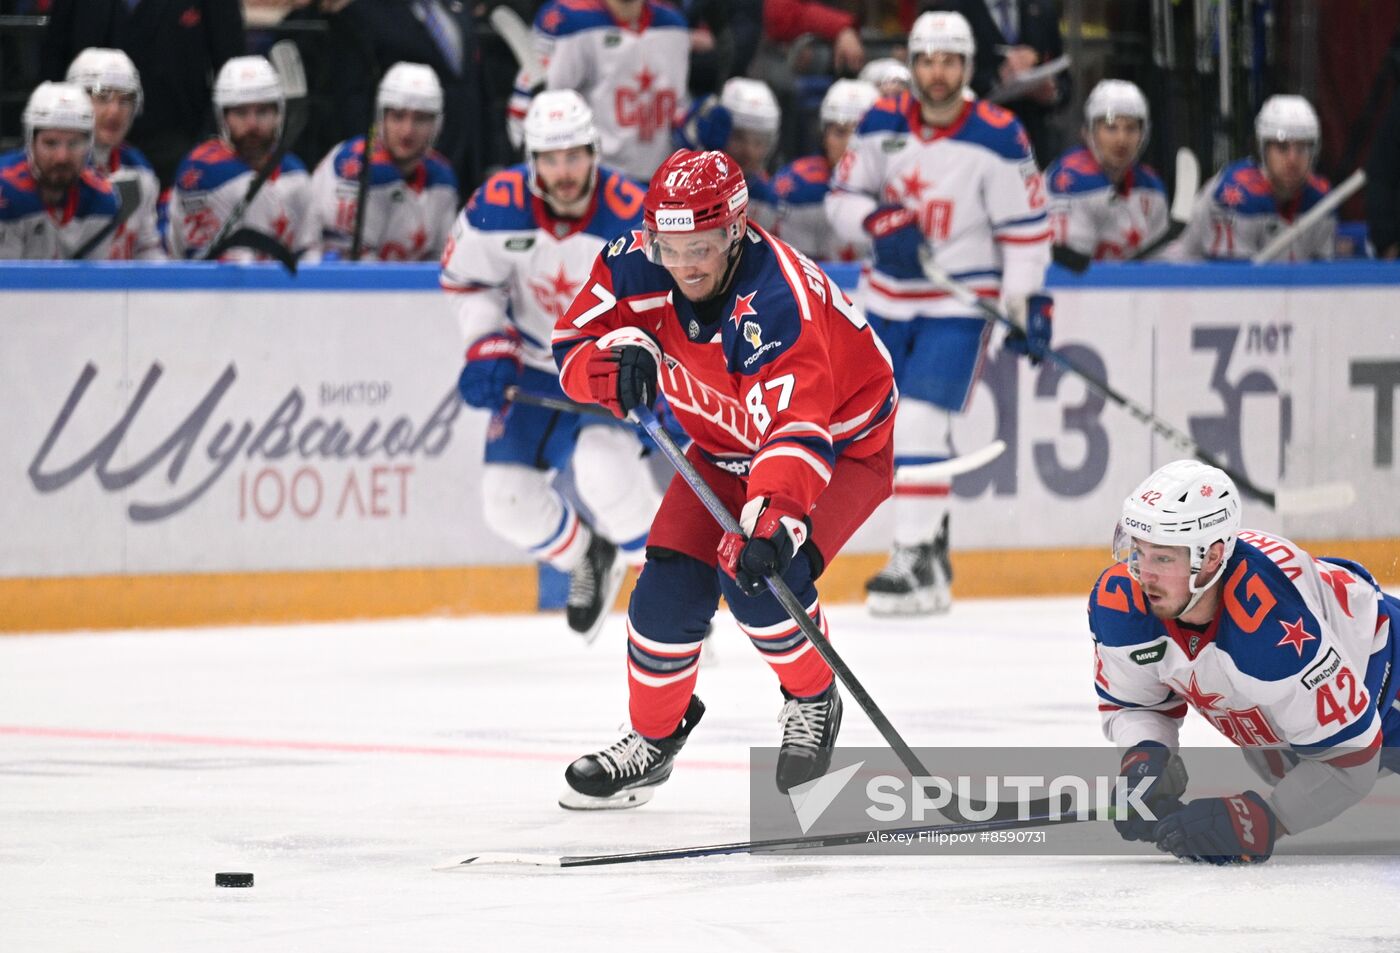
{"x":916,"y":581}
{"x":627,"y":773}
{"x":593,"y":586}
{"x":809,"y":735}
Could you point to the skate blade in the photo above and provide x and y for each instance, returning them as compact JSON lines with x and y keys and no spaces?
{"x":611,"y":586}
{"x":923,"y":602}
{"x":571,"y":800}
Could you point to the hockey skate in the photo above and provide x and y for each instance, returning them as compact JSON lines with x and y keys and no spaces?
{"x":626,"y":774}
{"x":809,"y":735}
{"x":916,"y":581}
{"x":593,"y":586}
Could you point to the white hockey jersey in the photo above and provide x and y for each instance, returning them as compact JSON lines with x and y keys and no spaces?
{"x":975,"y":187}
{"x":1091,"y":215}
{"x":138,"y":236}
{"x":29,"y":229}
{"x":406,"y":218}
{"x":633,"y":79}
{"x":1300,"y":659}
{"x":211,"y":180}
{"x":511,"y":261}
{"x":1236,"y":215}
{"x":800,"y":189}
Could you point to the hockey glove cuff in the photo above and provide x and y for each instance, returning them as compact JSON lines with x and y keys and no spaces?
{"x":1221,"y":830}
{"x":1164,"y":775}
{"x":1034,"y":316}
{"x":776,"y":529}
{"x":493,"y":364}
{"x":896,"y":241}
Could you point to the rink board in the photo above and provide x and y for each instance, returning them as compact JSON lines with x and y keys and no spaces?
{"x":219,"y":443}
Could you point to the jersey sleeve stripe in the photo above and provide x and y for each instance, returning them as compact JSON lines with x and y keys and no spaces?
{"x":1043,"y":236}
{"x":789,"y":450}
{"x":1035,"y":219}
{"x":890,"y":291}
{"x":804,"y":427}
{"x":790,"y":273}
{"x":1357,"y":756}
{"x":643,"y":305}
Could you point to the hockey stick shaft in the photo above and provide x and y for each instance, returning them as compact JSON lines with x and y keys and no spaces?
{"x":357,"y":238}
{"x":1330,"y":202}
{"x":1188,"y":180}
{"x":515,"y":34}
{"x":129,"y":195}
{"x":518,"y":395}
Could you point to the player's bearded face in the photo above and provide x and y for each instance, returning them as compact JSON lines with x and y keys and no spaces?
{"x":696,"y":260}
{"x":60,"y":155}
{"x":1116,"y":141}
{"x":1287,"y":164}
{"x":408,"y":133}
{"x":565,"y":175}
{"x":112,"y":114}
{"x":939,"y":77}
{"x":252,"y":129}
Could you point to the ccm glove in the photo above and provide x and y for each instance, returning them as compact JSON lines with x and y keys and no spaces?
{"x":493,"y":364}
{"x":896,"y":241}
{"x":709,"y":127}
{"x":622,"y":377}
{"x":776,"y":531}
{"x":1038,"y":316}
{"x":1221,"y":830}
{"x":1154,"y":760}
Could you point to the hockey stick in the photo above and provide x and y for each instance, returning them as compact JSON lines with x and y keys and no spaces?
{"x":357,"y":240}
{"x":922,"y":474}
{"x":1188,"y":183}
{"x":287,"y":61}
{"x":515,"y":34}
{"x":1328,"y":496}
{"x":128,"y":197}
{"x":810,"y":842}
{"x":780,"y":590}
{"x":262,"y":243}
{"x":1330,"y":202}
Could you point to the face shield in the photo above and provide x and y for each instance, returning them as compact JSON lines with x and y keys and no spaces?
{"x":1166,"y":562}
{"x":687,"y":249}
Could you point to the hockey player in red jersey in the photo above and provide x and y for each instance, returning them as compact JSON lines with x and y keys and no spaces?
{"x":1291,"y":657}
{"x":790,"y":400}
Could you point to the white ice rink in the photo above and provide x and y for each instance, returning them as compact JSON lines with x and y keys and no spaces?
{"x":339,"y":763}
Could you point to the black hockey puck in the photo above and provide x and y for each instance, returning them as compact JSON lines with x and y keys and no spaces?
{"x":233,"y":880}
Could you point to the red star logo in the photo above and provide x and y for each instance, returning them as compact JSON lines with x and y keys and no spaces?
{"x":1295,"y":635}
{"x":645,"y":79}
{"x":639,"y":237}
{"x":551,"y":20}
{"x":784,"y":186}
{"x":281,"y":225}
{"x":1232,"y":195}
{"x":1133,"y":238}
{"x":351,"y":168}
{"x":1063,"y":181}
{"x":420,"y":238}
{"x":1339,"y":579}
{"x":913,"y":185}
{"x":190,"y":179}
{"x":1200,"y":700}
{"x":743,"y":307}
{"x":554,"y":295}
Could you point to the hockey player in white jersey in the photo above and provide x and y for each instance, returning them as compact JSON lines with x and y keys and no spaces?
{"x":110,"y":78}
{"x":519,"y":253}
{"x":742,"y":122}
{"x":214,"y":177}
{"x":888,"y":75}
{"x":1291,"y":657}
{"x":630,"y":60}
{"x":1248,"y":202}
{"x":1104,"y":203}
{"x":411,"y":198}
{"x":801,"y":186}
{"x":53,"y":204}
{"x":939,"y":171}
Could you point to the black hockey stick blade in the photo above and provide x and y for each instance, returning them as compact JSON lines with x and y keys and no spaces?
{"x":1048,"y":818}
{"x":1173,"y":232}
{"x":260,"y":242}
{"x":128,"y":199}
{"x":1066,"y":257}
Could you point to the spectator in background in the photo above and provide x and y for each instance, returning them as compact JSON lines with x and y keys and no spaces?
{"x":742,"y":122}
{"x":1013,"y":36}
{"x":410,"y":192}
{"x":1383,"y":185}
{"x":629,"y":59}
{"x":176,"y":46}
{"x":724,"y":36}
{"x":786,"y":20}
{"x":1250,"y":201}
{"x":110,"y":79}
{"x":888,"y":75}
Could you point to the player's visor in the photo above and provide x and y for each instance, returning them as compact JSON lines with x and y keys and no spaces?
{"x":687,"y":249}
{"x":1141,"y":556}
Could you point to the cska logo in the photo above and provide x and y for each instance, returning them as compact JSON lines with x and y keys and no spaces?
{"x":641,"y":108}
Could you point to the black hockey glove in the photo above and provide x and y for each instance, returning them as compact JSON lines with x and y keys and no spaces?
{"x":1154,"y":760}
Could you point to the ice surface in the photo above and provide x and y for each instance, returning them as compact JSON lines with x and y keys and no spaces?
{"x":339,"y":763}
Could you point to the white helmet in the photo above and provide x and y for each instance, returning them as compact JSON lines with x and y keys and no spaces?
{"x":57,"y":106}
{"x":1185,"y":503}
{"x":888,"y":75}
{"x":96,"y":69}
{"x":410,"y":86}
{"x":939,"y":32}
{"x":245,"y":80}
{"x":752,"y":104}
{"x":558,"y":119}
{"x":847,"y":101}
{"x":1286,"y":119}
{"x":1112,"y":98}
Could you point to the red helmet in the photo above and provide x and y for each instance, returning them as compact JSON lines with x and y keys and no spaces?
{"x":694,"y":192}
